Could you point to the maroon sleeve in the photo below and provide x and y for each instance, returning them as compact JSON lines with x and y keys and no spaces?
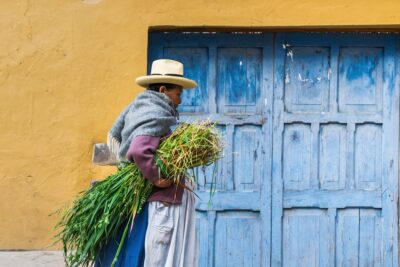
{"x":141,"y":151}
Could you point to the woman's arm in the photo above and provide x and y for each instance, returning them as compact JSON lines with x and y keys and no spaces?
{"x":141,"y":151}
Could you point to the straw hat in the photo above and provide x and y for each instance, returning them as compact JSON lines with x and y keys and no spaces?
{"x":166,"y":71}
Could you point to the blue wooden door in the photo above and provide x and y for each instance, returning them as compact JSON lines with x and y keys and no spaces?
{"x":335,"y":150}
{"x":309,"y":174}
{"x":234,"y":73}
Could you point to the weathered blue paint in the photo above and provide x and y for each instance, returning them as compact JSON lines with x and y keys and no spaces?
{"x":234,"y":73}
{"x":360,"y":79}
{"x":334,"y":186}
{"x":310,"y":172}
{"x":239,"y":80}
{"x":306,"y":79}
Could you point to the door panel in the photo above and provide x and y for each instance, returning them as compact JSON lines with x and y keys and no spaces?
{"x":234,"y":74}
{"x":335,"y":143}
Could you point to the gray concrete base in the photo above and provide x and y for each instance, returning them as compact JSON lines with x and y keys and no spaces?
{"x":31,"y":259}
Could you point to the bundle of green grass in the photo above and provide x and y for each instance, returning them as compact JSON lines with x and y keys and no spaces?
{"x":98,"y":213}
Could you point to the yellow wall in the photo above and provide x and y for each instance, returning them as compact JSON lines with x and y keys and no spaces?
{"x":67,"y":70}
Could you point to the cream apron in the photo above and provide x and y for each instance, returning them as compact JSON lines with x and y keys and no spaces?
{"x":171,"y":234}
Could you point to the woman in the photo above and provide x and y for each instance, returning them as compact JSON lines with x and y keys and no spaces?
{"x":164,"y":232}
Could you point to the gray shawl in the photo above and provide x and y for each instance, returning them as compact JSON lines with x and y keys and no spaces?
{"x":151,"y":113}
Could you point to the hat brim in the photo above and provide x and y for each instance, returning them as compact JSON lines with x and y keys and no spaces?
{"x":145,"y":81}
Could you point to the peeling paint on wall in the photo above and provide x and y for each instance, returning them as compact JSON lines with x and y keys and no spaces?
{"x":290,"y":54}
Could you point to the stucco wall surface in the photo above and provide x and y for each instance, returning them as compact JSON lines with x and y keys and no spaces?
{"x":67,"y":69}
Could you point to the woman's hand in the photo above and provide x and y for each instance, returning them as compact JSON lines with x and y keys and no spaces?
{"x":163,"y":183}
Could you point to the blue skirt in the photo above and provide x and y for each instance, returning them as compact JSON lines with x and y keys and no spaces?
{"x":132,"y":252}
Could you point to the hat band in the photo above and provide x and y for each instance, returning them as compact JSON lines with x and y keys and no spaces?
{"x":167,"y":74}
